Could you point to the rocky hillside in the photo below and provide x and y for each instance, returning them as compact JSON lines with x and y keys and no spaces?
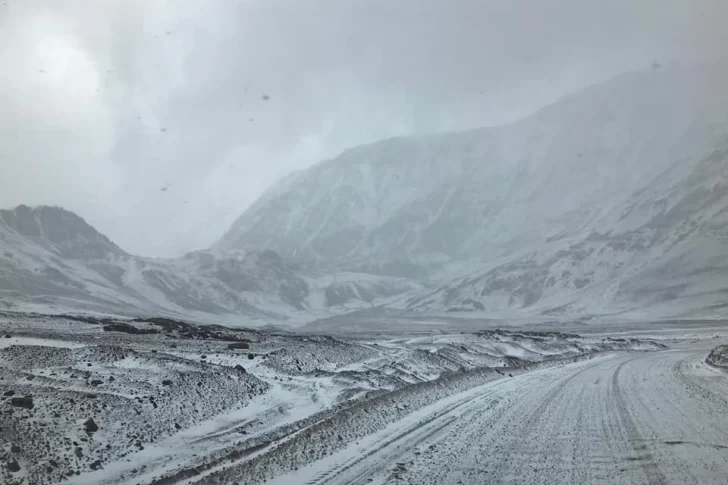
{"x":53,"y":258}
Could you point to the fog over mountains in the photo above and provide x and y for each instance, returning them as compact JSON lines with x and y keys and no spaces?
{"x":611,"y":200}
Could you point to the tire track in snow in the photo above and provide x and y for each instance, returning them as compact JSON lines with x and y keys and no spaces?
{"x":627,"y":419}
{"x":405,"y":440}
{"x":642,"y":454}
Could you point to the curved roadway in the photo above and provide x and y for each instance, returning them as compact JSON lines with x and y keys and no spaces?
{"x":622,"y":418}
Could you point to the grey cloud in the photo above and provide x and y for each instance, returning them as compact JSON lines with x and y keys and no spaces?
{"x":105,"y":103}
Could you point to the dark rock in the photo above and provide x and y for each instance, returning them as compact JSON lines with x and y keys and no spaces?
{"x":239,"y":345}
{"x":251,"y":356}
{"x":96,"y":382}
{"x":13,"y":466}
{"x":126,"y":328}
{"x":23,"y":402}
{"x":91,"y":426}
{"x":96,"y":465}
{"x":53,"y":463}
{"x":203,"y":357}
{"x":111,"y":379}
{"x":79,"y":452}
{"x":166,"y":382}
{"x":15,"y":449}
{"x":7,"y":335}
{"x":30,"y":377}
{"x":240,"y":368}
{"x":9,"y":393}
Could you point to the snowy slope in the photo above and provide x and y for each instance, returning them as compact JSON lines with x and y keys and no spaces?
{"x":662,"y":250}
{"x":610,"y":201}
{"x":581,"y":208}
{"x":52,"y":258}
{"x":406,"y":205}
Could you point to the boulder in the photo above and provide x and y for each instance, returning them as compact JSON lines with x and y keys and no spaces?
{"x":25,"y":402}
{"x":90,"y":426}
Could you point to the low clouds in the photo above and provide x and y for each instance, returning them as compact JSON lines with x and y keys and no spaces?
{"x":103,"y":104}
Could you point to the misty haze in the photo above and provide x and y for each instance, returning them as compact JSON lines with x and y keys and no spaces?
{"x":363,"y":242}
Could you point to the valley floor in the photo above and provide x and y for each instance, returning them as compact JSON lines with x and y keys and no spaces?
{"x":103,"y":400}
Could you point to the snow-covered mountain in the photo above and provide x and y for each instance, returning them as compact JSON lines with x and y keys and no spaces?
{"x":663,"y":251}
{"x":51,"y":257}
{"x":610,"y":200}
{"x":403,"y":205}
{"x":583,"y":207}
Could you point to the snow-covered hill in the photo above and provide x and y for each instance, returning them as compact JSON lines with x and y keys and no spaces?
{"x":404,"y":205}
{"x":661,"y":251}
{"x":582,"y":208}
{"x":52,"y":258}
{"x":611,"y":200}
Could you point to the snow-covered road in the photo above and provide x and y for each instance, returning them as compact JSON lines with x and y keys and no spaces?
{"x":621,"y":418}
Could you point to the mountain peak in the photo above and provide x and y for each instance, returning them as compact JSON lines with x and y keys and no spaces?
{"x":492,"y":191}
{"x":60,"y":229}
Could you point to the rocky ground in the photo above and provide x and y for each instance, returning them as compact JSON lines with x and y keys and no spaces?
{"x":108,"y":400}
{"x":718,"y":357}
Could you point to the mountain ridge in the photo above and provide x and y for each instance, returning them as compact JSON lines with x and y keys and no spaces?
{"x":598,"y":204}
{"x":399,"y":201}
{"x":52,"y":258}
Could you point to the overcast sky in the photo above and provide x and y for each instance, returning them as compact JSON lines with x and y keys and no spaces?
{"x":159,"y":122}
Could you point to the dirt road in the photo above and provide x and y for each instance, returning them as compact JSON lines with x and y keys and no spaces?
{"x":622,"y":418}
